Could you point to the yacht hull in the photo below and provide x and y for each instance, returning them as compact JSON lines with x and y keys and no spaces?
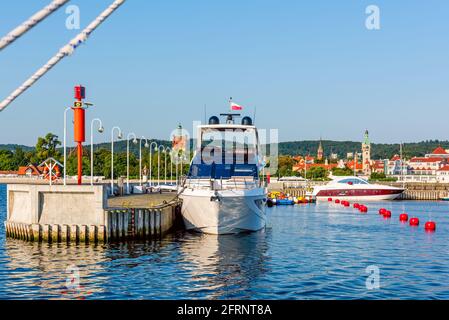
{"x":224,"y":212}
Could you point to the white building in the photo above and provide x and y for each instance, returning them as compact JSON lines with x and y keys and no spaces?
{"x":443,"y":174}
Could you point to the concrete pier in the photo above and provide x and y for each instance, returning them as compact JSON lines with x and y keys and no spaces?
{"x":81,"y":214}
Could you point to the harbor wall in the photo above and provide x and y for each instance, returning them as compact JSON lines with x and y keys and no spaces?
{"x":57,"y":204}
{"x":58,"y":213}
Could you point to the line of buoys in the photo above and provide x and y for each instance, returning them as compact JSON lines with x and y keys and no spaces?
{"x":430,"y":226}
{"x":362,"y":208}
{"x":414,"y":221}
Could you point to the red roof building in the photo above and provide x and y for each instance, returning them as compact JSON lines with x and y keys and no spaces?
{"x":8,"y":173}
{"x":439,"y":150}
{"x":443,"y":174}
{"x":426,"y":159}
{"x":301,"y":166}
{"x":30,"y":170}
{"x":358,"y":166}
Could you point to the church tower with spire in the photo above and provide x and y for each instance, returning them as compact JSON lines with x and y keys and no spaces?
{"x":366,"y":155}
{"x":320,"y":152}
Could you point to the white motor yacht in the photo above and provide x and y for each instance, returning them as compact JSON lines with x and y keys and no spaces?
{"x":356,"y":189}
{"x":222,"y":193}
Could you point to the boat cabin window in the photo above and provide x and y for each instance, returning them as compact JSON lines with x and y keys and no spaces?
{"x":352,"y":181}
{"x":228,"y":146}
{"x":222,"y":171}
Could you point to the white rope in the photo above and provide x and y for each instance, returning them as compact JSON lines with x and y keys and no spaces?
{"x":63,"y":52}
{"x":30,"y":23}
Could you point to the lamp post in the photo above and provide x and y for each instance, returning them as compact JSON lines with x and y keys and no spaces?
{"x":65,"y":143}
{"x":171,"y":166}
{"x":140,"y":157}
{"x":159,"y":164}
{"x":112,"y":155}
{"x":176,"y":169}
{"x":131,"y":134}
{"x":100,"y":130}
{"x":151,"y":161}
{"x":167,"y":150}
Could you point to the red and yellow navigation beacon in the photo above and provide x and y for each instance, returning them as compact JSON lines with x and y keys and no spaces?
{"x":79,"y":124}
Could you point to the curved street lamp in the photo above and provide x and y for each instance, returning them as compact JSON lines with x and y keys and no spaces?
{"x":151,"y":160}
{"x":119,"y":136}
{"x":140,"y":157}
{"x":171,"y":166}
{"x":100,"y":130}
{"x":131,"y":134}
{"x":159,"y":163}
{"x":65,"y":143}
{"x":167,"y":150}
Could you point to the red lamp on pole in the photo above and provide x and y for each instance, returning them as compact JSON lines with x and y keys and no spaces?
{"x":79,"y":126}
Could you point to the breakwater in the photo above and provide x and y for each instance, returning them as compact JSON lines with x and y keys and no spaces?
{"x":80,"y":214}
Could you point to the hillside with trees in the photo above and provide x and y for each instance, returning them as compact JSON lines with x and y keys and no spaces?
{"x":378,"y":150}
{"x":12,"y":156}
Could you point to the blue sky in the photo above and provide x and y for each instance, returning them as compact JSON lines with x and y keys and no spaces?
{"x":310,"y":67}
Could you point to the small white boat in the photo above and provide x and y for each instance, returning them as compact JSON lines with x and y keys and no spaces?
{"x":355,"y":189}
{"x":223,"y":193}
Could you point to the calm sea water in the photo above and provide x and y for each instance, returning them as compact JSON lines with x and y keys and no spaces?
{"x":306,"y":252}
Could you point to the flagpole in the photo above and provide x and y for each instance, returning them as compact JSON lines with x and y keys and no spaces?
{"x":254,"y":117}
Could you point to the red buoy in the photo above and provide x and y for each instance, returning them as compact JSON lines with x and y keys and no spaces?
{"x":414,"y":222}
{"x":337,"y":201}
{"x":363,"y":208}
{"x":430,"y":226}
{"x":356,"y":205}
{"x":403,"y":217}
{"x":387,"y":214}
{"x":329,"y":199}
{"x":382,"y":211}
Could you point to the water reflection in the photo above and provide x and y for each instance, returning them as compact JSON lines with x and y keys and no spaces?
{"x":43,"y":270}
{"x":184,"y":265}
{"x":226,"y":265}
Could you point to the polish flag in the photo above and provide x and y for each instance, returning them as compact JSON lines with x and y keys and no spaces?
{"x":236,"y":107}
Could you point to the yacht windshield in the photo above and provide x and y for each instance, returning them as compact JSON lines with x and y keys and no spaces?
{"x":226,"y":153}
{"x":352,"y":181}
{"x":228,"y":146}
